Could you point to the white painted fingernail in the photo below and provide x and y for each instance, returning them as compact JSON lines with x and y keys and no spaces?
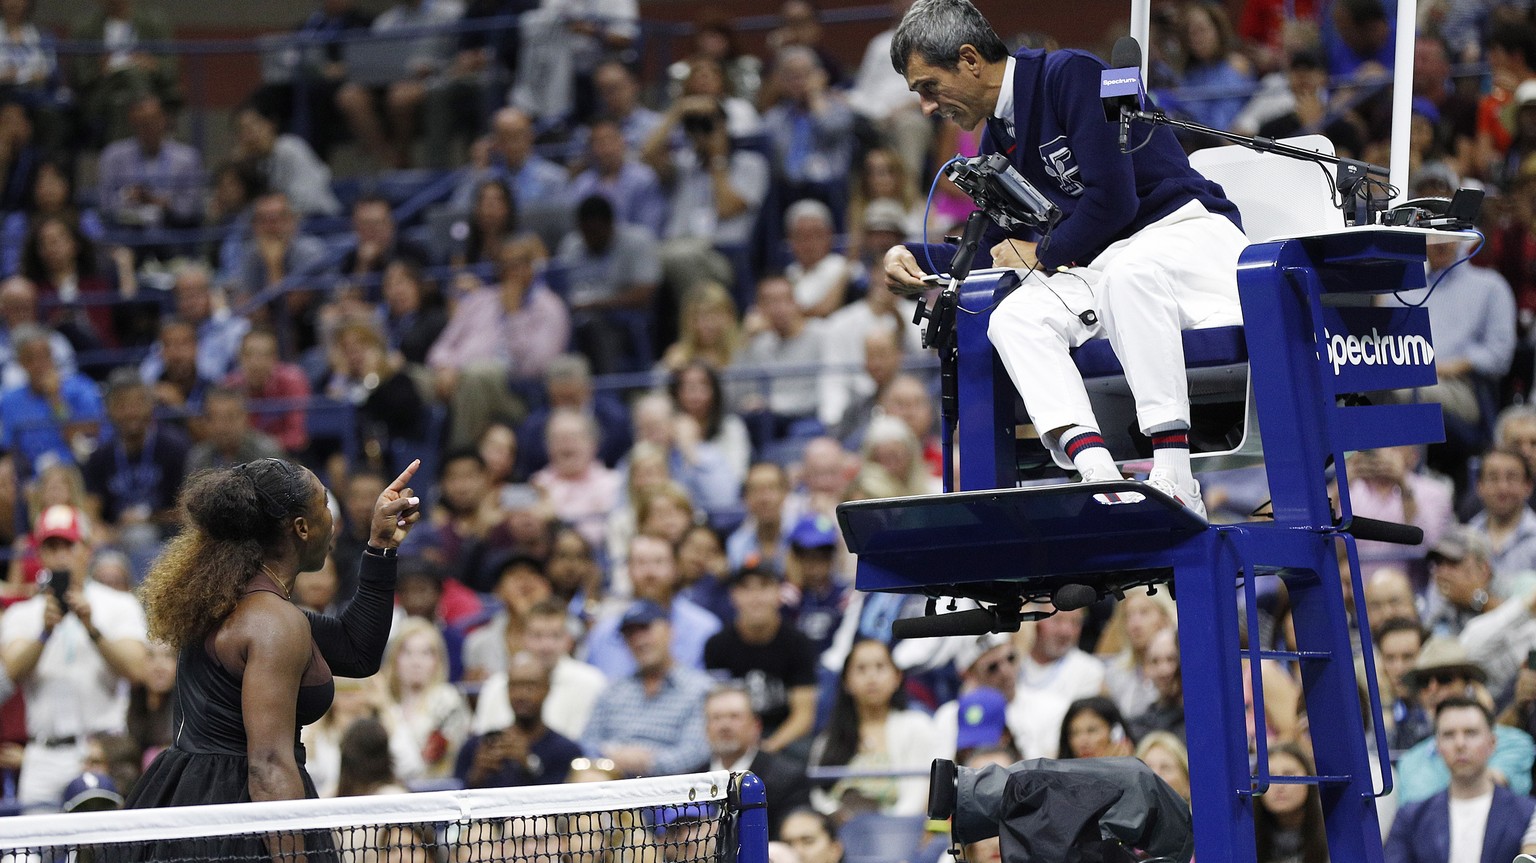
{"x":414,"y":501}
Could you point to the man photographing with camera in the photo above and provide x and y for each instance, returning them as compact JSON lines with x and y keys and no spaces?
{"x":69,"y":647}
{"x":714,"y":191}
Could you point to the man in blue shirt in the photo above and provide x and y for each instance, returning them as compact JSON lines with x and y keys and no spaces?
{"x":1443,"y":674}
{"x":654,"y":577}
{"x":650,"y":721}
{"x":1472,"y":314}
{"x":510,"y":158}
{"x":53,"y":412}
{"x":1144,"y":242}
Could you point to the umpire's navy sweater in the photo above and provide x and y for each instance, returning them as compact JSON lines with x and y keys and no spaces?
{"x":1067,"y":150}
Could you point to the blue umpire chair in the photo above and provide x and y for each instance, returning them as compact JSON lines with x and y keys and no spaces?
{"x":1320,"y":346}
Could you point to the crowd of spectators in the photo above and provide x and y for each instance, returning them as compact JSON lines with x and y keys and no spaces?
{"x":626,"y":582}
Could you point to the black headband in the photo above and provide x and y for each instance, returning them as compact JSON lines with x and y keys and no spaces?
{"x":271,"y":504}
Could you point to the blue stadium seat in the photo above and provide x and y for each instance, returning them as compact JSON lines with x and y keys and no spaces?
{"x":397,"y":187}
{"x":331,"y":420}
{"x":447,"y":783}
{"x":347,"y":191}
{"x":428,"y":449}
{"x":1216,"y":346}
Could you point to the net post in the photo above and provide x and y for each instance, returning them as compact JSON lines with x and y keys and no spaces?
{"x":749,"y":796}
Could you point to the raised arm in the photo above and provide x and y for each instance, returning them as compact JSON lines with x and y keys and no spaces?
{"x":353,"y":642}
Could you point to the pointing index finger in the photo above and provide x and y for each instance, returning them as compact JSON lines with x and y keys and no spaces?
{"x":405,"y":476}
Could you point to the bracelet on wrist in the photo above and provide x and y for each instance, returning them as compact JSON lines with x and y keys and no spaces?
{"x":376,"y":551}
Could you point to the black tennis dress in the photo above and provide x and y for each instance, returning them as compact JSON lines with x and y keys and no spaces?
{"x":207,"y":761}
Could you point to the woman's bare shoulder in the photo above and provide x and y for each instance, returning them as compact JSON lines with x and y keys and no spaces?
{"x":263,"y":624}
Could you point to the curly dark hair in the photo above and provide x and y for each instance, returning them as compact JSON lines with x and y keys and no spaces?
{"x":233,"y":517}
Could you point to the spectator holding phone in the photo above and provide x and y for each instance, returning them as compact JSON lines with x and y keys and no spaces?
{"x":70,"y":647}
{"x":525,"y":752}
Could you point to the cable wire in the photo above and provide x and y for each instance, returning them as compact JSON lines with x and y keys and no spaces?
{"x":928,"y":208}
{"x":1481,"y":239}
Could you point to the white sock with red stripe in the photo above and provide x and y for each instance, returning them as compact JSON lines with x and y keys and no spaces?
{"x":1085,"y":446}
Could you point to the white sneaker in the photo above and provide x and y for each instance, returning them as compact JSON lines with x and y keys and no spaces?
{"x":1111,"y":498}
{"x":1187,"y":496}
{"x":1102,"y":475}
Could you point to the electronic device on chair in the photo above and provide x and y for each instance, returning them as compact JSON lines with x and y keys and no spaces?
{"x":1456,"y":213}
{"x":999,"y":189}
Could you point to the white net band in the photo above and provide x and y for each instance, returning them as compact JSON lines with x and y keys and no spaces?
{"x":674,"y":819}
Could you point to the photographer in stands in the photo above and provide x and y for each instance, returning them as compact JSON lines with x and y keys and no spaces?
{"x":714,"y":189}
{"x":69,"y":647}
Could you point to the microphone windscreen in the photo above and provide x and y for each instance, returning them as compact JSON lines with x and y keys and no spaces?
{"x":976,"y":621}
{"x":1386,"y":531}
{"x":1071,"y":597}
{"x":1126,"y":53}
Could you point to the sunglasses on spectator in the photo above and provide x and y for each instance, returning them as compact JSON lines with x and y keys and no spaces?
{"x":992,"y":667}
{"x":1444,"y":678}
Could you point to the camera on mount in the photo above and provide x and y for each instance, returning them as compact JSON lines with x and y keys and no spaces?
{"x":1071,"y":809}
{"x":1002,"y":192}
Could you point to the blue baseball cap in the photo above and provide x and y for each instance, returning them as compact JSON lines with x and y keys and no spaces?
{"x":642,"y":612}
{"x":813,"y":531}
{"x":982,"y":718}
{"x":91,"y":792}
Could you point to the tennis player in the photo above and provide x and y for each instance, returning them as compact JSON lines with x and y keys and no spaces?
{"x":252,"y":668}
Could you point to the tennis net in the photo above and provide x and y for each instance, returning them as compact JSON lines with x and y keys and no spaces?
{"x":697,"y":818}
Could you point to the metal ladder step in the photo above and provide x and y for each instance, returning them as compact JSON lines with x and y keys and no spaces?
{"x":1297,"y":780}
{"x":1292,"y":655}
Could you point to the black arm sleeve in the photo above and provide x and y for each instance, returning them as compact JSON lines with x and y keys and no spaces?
{"x":353,"y":642}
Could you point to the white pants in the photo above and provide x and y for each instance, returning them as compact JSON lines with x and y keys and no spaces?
{"x":1177,"y":273}
{"x":46,"y":770}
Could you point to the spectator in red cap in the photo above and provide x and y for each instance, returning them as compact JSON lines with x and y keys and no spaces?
{"x":69,"y":647}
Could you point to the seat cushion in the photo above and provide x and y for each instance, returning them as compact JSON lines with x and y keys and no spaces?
{"x":1216,"y":346}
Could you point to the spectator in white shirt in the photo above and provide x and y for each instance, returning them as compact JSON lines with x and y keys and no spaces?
{"x":1476,"y":818}
{"x":1055,"y":664}
{"x":880,"y":95}
{"x":70,"y":648}
{"x":819,"y":274}
{"x":573,"y":685}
